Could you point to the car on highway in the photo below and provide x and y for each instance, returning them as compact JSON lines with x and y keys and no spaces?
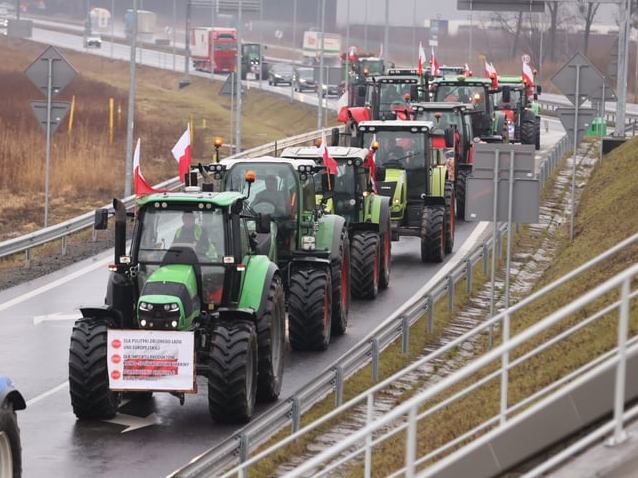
{"x":10,"y":449}
{"x":93,"y":41}
{"x":305,"y":79}
{"x":280,"y":73}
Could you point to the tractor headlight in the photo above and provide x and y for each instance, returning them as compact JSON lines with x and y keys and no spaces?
{"x":397,"y":201}
{"x":146,"y":306}
{"x":174,"y":324}
{"x":143,"y":323}
{"x":308,"y":243}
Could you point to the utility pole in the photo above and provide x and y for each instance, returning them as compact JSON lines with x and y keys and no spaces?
{"x":294,"y":44}
{"x":623,"y":53}
{"x":130,"y":118}
{"x":17,"y":9}
{"x":414,"y":45}
{"x":112,"y":26}
{"x":365,"y":25}
{"x":238,"y":78}
{"x":187,"y":45}
{"x":320,"y":88}
{"x":386,"y":36}
{"x":347,"y":78}
{"x":261,"y":41}
{"x":174,"y":33}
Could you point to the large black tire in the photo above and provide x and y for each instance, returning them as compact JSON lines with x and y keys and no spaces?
{"x":232,"y":372}
{"x":386,"y":256}
{"x":340,"y":279}
{"x":450,"y":216}
{"x":460,"y":189}
{"x":365,"y":252}
{"x":309,"y":309}
{"x":271,"y":339}
{"x":91,"y":396}
{"x":433,"y":234}
{"x":10,"y":441}
{"x":528,"y":132}
{"x":538,"y":132}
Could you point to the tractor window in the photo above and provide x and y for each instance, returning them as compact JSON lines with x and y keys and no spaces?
{"x":391,"y":95}
{"x":309,"y":194}
{"x":244,"y":237}
{"x":446,"y":119}
{"x":399,"y":149}
{"x":250,"y":50}
{"x":515,"y":100}
{"x":461,"y":93}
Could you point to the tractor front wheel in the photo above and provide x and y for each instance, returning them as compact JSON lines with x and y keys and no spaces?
{"x":91,"y":396}
{"x":340,"y":278}
{"x":310,"y":309}
{"x":10,"y":454}
{"x":271,"y":336}
{"x":386,"y":257}
{"x":450,"y":216}
{"x":528,"y":132}
{"x":366,"y":264}
{"x":232,"y":372}
{"x":433,"y":234}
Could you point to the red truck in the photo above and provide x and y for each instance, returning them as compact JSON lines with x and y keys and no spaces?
{"x":214,"y":49}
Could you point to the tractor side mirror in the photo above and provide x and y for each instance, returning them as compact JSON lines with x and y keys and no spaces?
{"x":263,"y":223}
{"x":507,"y":96}
{"x":335,"y":137}
{"x":101,"y":219}
{"x":449,"y":138}
{"x":539,"y":89}
{"x":414,"y":92}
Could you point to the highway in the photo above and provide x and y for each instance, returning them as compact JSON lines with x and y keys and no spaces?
{"x":155,"y":437}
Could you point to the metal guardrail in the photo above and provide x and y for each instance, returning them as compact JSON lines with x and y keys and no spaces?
{"x":288,"y":412}
{"x":25,"y":244}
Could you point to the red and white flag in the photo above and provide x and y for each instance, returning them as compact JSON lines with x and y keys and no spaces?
{"x":371,"y":164}
{"x":528,"y":74}
{"x":140,"y":185}
{"x":467,"y":73}
{"x":420,"y":65}
{"x":182,"y":152}
{"x":434,"y":63}
{"x":328,"y":161}
{"x":488,"y":69}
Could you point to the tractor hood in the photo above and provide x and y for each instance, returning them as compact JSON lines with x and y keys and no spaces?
{"x":169,"y":298}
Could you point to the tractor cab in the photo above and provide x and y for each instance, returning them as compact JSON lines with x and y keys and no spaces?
{"x":390,"y":96}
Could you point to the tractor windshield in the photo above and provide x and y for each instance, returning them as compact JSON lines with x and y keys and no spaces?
{"x":446,"y":118}
{"x":474,"y":94}
{"x":250,"y":50}
{"x":374,"y":67}
{"x":391,"y":96}
{"x":515,"y":100}
{"x":274,"y":191}
{"x":399,"y":149}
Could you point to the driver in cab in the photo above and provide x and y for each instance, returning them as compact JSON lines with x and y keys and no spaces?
{"x":195,"y":236}
{"x":272,"y":195}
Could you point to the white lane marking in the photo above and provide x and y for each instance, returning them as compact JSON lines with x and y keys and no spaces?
{"x":131,"y":422}
{"x":48,"y":393}
{"x":52,"y":285}
{"x":38,"y":319}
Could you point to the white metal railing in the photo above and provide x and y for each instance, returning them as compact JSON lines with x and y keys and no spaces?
{"x":366,"y":399}
{"x":407,"y":416}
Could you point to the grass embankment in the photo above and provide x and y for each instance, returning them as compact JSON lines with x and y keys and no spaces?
{"x":86,"y":168}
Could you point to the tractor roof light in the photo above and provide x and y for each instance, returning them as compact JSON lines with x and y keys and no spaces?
{"x":250,"y":176}
{"x":375,"y":145}
{"x":318,"y":142}
{"x":218,"y":142}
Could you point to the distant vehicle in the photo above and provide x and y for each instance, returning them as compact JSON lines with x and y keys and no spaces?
{"x":214,"y":49}
{"x":304,"y":79}
{"x":281,"y":73}
{"x":10,"y":448}
{"x":93,"y":41}
{"x":146,"y":22}
{"x":312,"y":47}
{"x":250,"y":57}
{"x":333,"y":82}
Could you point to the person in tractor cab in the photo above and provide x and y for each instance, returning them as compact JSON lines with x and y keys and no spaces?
{"x":195,"y":236}
{"x":273,"y":196}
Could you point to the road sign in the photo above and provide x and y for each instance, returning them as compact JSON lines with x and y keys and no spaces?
{"x":534,"y":6}
{"x":567,"y":117}
{"x":526,"y":58}
{"x":589,"y":78}
{"x":59,"y":109}
{"x":61,"y":71}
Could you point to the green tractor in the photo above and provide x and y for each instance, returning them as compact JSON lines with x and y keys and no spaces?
{"x":310,"y":246}
{"x":415,"y":177}
{"x":193,"y":276}
{"x":520,"y":110}
{"x":251,"y":54}
{"x":367,"y":214}
{"x":457,"y":116}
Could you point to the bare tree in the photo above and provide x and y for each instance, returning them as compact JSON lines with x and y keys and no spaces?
{"x":512,"y":25}
{"x":554,"y":8}
{"x":587,"y":13}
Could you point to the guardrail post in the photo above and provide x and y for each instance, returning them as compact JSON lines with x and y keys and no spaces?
{"x":367,"y":473}
{"x":450,"y":293}
{"x":405,"y":334}
{"x":27,"y":258}
{"x":243,"y":452}
{"x":338,"y":385}
{"x":430,"y":314}
{"x":410,"y":444}
{"x":374,"y":350}
{"x":620,"y":435}
{"x":65,"y":243}
{"x":93,"y":235}
{"x":499,"y":240}
{"x":486,"y":258}
{"x":468,"y":276}
{"x":295,"y":412}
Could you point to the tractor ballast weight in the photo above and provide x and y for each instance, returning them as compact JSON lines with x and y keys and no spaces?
{"x":188,"y":272}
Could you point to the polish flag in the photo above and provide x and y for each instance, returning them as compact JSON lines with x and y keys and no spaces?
{"x":528,"y":74}
{"x":182,"y":153}
{"x":141,"y":186}
{"x":435,"y":64}
{"x":381,"y":51}
{"x":371,"y":164}
{"x":467,"y":71}
{"x":421,"y":60}
{"x":488,"y":69}
{"x":328,"y":161}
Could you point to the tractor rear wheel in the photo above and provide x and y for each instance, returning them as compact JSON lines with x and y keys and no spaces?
{"x":340,"y":278}
{"x":10,"y":450}
{"x":91,"y":396}
{"x":450,"y":216}
{"x":386,"y":257}
{"x":528,"y":132}
{"x":460,"y":189}
{"x":232,"y":372}
{"x":309,"y":309}
{"x":366,"y":264}
{"x":271,"y":336}
{"x":538,"y":132}
{"x":433,"y":234}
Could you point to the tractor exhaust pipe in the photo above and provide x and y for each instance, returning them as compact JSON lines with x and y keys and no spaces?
{"x":120,"y":229}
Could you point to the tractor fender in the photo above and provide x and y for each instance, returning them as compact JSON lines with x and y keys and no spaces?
{"x":329,"y":234}
{"x":438,"y":178}
{"x":259,"y":273}
{"x":528,"y":115}
{"x":377,"y":211}
{"x":113,"y":316}
{"x":8,"y":393}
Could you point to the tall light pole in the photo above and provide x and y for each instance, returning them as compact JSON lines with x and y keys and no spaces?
{"x":112,"y":26}
{"x":130,"y":117}
{"x":320,"y":87}
{"x":187,"y":46}
{"x":386,"y":32}
{"x":414,"y":45}
{"x":174,"y":33}
{"x":261,"y":41}
{"x":347,"y":72}
{"x":294,"y":45}
{"x":623,"y":52}
{"x":238,"y":78}
{"x":365,"y":25}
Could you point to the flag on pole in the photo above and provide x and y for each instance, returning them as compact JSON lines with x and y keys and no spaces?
{"x":434,"y":64}
{"x":371,"y":163}
{"x":328,"y":161}
{"x":381,"y":51}
{"x":140,"y":185}
{"x":467,"y":73}
{"x":420,"y":65}
{"x":528,"y":74}
{"x":182,"y":153}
